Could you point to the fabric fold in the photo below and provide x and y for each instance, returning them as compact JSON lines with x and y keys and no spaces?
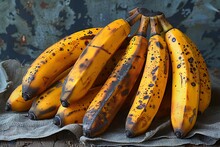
{"x":18,"y":126}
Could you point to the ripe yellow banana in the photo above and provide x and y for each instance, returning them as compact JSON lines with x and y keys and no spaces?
{"x":53,"y":61}
{"x":16,"y":103}
{"x":116,"y":89}
{"x":94,"y":57}
{"x":205,"y":83}
{"x":185,"y":80}
{"x":76,"y":111}
{"x":152,"y":85}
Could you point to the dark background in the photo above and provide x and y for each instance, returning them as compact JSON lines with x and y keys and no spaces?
{"x":30,"y":26}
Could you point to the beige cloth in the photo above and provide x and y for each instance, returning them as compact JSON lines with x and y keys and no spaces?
{"x":18,"y":125}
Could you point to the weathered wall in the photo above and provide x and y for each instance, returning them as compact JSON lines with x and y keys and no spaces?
{"x":29,"y":26}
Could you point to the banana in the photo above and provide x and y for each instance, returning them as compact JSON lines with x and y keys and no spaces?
{"x":152,"y":85}
{"x":110,"y":65}
{"x":205,"y":83}
{"x":185,"y":80}
{"x":129,"y":101}
{"x":164,"y":109}
{"x":16,"y":103}
{"x":53,"y":61}
{"x":94,"y":57}
{"x":46,"y":104}
{"x":116,"y":89}
{"x":76,"y":111}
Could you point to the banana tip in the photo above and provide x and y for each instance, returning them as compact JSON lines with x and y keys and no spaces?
{"x":179,"y":134}
{"x":32,"y":116}
{"x":8,"y":107}
{"x":64,"y":103}
{"x":25,"y":96}
{"x":87,"y":133}
{"x":57,"y":121}
{"x":129,"y":134}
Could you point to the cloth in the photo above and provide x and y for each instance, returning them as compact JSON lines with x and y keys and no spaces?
{"x":206,"y":130}
{"x":18,"y":125}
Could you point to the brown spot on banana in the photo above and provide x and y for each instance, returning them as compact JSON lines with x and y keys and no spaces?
{"x":87,"y":37}
{"x":141,"y":106}
{"x":191,"y":60}
{"x":125,"y":92}
{"x":193,"y":84}
{"x":158,"y":44}
{"x":151,"y":85}
{"x":129,"y":119}
{"x":102,"y":48}
{"x":154,"y":70}
{"x":193,"y":115}
{"x":146,"y":97}
{"x":86,"y":42}
{"x":173,"y":39}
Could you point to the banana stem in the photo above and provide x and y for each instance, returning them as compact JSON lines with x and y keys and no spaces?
{"x":142,"y":30}
{"x":164,"y":23}
{"x":135,"y":15}
{"x":131,"y":12}
{"x":155,"y":26}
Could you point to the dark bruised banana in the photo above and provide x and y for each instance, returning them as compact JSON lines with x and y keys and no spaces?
{"x":53,"y":61}
{"x":116,"y":89}
{"x":111,"y":63}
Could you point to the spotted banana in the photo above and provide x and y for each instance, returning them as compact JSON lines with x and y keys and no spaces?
{"x":45,"y":105}
{"x":185,"y":80}
{"x":76,"y":111}
{"x":116,"y":89}
{"x":94,"y":57}
{"x":53,"y":61}
{"x":205,"y":83}
{"x":152,"y":85}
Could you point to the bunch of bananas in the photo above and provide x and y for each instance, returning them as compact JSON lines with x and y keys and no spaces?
{"x":92,"y":75}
